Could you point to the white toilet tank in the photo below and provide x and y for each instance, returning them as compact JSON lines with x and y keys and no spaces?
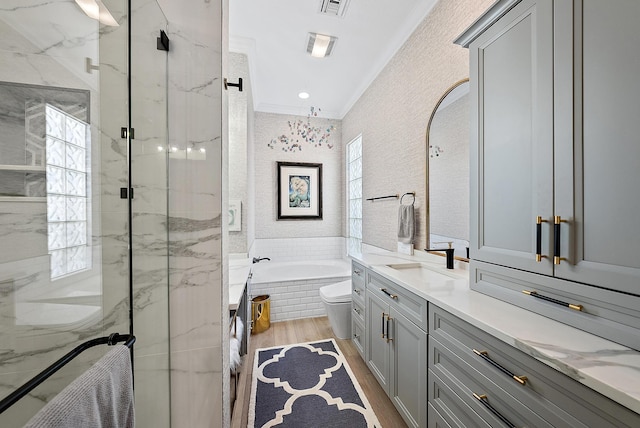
{"x":337,"y":302}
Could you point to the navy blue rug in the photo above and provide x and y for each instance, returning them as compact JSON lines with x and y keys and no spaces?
{"x":307,"y":385}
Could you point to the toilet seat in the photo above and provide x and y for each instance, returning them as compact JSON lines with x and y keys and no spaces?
{"x":339,"y":292}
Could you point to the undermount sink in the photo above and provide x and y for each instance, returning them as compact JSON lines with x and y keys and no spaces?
{"x":425,"y":269}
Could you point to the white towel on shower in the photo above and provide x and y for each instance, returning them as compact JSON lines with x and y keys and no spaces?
{"x":406,"y":224}
{"x":100,"y":397}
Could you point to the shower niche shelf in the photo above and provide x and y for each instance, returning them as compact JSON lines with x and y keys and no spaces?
{"x":22,"y":183}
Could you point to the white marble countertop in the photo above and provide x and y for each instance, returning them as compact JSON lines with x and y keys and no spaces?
{"x":239,"y":269}
{"x":607,"y":367}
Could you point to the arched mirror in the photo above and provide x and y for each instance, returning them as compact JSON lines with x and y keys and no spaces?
{"x":448,"y":172}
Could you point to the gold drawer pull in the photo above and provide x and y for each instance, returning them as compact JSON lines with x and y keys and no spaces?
{"x":522,"y":380}
{"x":552,"y":300}
{"x":389,"y":339}
{"x":485,"y":402}
{"x":393,"y":296}
{"x":557,"y":221}
{"x":539,"y":221}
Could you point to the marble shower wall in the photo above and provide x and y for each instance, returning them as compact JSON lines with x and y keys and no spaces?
{"x":198,"y":294}
{"x":149,"y":171}
{"x":198,"y":283}
{"x":47,"y":44}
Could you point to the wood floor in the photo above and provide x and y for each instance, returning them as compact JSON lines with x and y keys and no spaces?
{"x":307,"y":330}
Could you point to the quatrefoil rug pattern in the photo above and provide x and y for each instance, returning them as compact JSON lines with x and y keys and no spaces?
{"x":307,"y":385}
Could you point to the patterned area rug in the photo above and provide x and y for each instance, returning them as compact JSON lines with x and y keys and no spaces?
{"x":307,"y":385}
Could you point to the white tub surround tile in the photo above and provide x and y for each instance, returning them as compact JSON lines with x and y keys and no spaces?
{"x":295,"y":299}
{"x":299,"y":249}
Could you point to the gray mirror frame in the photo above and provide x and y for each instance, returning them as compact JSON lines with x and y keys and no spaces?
{"x":428,"y":207}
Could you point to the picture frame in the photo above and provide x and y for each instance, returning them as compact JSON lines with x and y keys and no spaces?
{"x":299,"y":191}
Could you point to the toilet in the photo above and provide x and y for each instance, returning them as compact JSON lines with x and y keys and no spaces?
{"x":337,"y":302}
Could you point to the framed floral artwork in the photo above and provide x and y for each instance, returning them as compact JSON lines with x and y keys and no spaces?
{"x":299,"y":191}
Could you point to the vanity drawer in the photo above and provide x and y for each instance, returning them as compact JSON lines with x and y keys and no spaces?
{"x":408,"y":304}
{"x":605,"y":313}
{"x":357,"y":336}
{"x":357,"y":311}
{"x":358,"y":292}
{"x":552,"y":395}
{"x":358,"y":273}
{"x":435,"y":420}
{"x":445,"y":405}
{"x":494,"y":404}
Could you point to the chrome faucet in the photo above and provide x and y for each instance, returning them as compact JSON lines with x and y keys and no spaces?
{"x":258,"y":259}
{"x":448,"y":250}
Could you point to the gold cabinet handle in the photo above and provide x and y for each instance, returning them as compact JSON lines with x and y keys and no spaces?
{"x":485,"y":402}
{"x":539,"y":221}
{"x":557,"y":220}
{"x":389,"y":339}
{"x":383,"y":315}
{"x":522,"y":380}
{"x":535,"y":294}
{"x":393,"y":296}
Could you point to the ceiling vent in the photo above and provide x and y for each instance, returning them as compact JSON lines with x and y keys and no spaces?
{"x":320,"y":45}
{"x":334,"y":7}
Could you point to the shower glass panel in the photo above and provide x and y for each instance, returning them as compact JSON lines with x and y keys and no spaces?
{"x":72,"y":250}
{"x":149,"y":163}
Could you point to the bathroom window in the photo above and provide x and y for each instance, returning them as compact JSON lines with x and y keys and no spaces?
{"x":354,"y":195}
{"x":67,"y":144}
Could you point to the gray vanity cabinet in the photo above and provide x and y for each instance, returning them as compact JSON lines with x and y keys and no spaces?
{"x":597,"y":149}
{"x":511,"y":83}
{"x":478,"y":380}
{"x":396,"y":346}
{"x":358,"y":291}
{"x":378,"y":351}
{"x":555,"y":187}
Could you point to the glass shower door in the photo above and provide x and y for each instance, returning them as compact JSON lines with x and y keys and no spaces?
{"x":79,"y":259}
{"x":63,"y":277}
{"x":149,"y":235}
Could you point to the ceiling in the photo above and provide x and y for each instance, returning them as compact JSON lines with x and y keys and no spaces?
{"x":274,"y":33}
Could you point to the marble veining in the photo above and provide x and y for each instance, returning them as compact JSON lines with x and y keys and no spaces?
{"x":607,"y":367}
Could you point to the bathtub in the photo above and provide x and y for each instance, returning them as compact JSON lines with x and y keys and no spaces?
{"x":267,"y":271}
{"x":293,"y":286}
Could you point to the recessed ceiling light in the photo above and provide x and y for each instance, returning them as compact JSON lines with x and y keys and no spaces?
{"x":303,"y":95}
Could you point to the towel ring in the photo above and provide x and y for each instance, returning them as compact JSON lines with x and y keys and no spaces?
{"x":413,"y":194}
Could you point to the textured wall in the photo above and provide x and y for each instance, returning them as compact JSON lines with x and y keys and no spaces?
{"x":238,"y":130}
{"x":251,"y":186}
{"x":393,"y":112}
{"x":269,"y":126}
